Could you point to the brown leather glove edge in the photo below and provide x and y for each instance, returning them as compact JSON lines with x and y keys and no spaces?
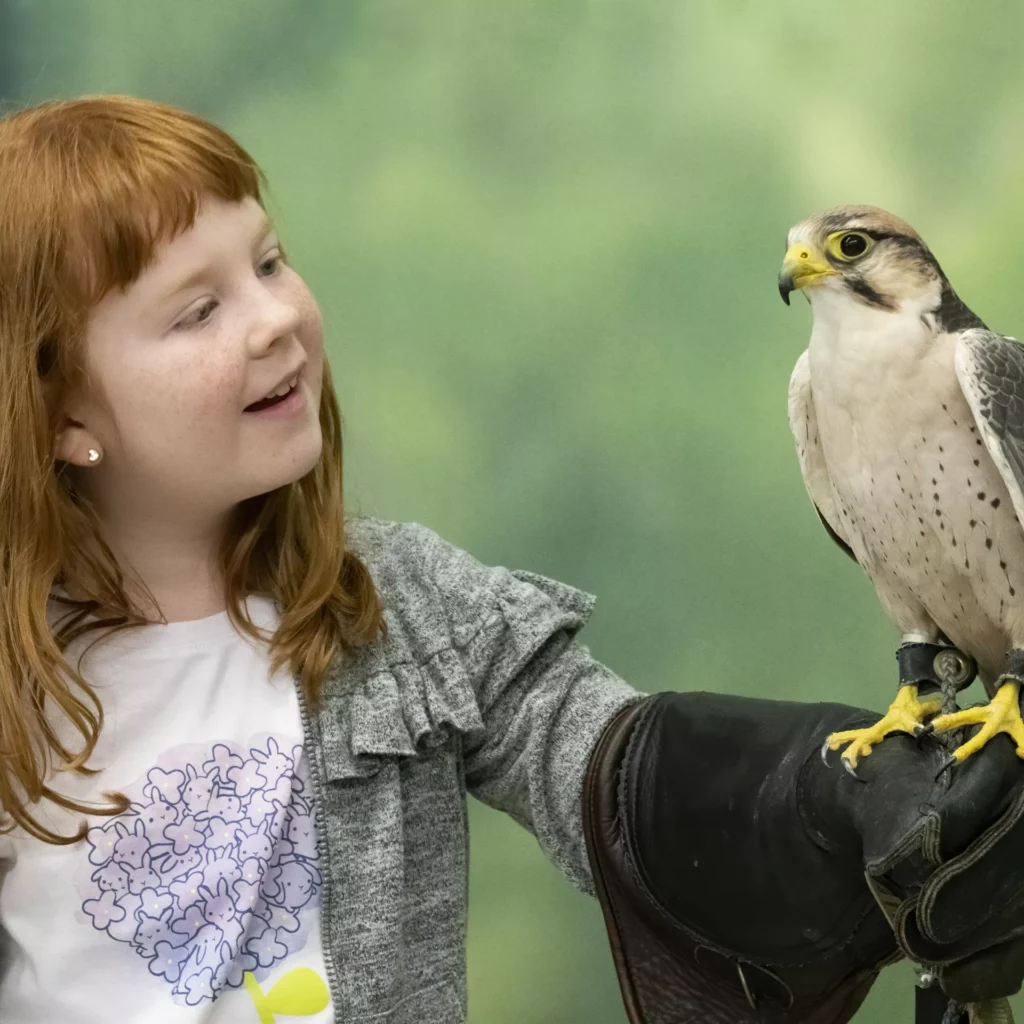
{"x":667,"y":973}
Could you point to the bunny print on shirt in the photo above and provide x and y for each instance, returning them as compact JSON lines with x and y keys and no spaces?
{"x":207,"y":876}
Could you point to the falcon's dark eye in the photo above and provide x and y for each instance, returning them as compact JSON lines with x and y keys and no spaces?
{"x":852,"y":245}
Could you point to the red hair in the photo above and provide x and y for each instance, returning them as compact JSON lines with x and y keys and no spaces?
{"x":89,"y":188}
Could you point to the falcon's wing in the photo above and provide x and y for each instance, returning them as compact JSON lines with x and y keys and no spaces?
{"x":990,"y":368}
{"x":804,"y":423}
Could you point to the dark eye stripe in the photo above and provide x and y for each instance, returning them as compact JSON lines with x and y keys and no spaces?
{"x":861,"y":288}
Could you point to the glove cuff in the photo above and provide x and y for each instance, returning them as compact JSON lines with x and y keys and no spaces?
{"x":669,"y":970}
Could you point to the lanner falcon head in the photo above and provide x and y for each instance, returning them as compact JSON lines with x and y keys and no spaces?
{"x":868,"y":257}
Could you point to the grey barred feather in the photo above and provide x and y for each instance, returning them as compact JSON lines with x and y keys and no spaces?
{"x":990,"y":368}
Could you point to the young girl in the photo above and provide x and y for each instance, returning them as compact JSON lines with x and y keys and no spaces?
{"x":190,"y":822}
{"x":237,"y":729}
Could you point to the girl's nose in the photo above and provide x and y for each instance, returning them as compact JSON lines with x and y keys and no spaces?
{"x":278,"y":315}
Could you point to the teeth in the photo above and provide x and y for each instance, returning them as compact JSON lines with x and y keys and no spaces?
{"x":283,"y":389}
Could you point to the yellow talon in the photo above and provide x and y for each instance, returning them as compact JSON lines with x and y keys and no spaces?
{"x":1001,"y":714}
{"x":905,"y":714}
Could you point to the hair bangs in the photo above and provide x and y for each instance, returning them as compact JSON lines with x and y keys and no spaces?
{"x":137,"y":176}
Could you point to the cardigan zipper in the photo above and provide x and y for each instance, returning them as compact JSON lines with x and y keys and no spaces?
{"x":312,"y":758}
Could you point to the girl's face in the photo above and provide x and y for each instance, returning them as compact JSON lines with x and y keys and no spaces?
{"x":212,"y":325}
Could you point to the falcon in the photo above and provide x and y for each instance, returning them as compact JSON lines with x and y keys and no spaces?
{"x":908,"y":417}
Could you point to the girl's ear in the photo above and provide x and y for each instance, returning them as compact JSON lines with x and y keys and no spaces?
{"x":72,"y":442}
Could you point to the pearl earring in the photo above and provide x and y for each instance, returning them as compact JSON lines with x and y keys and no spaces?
{"x":93,"y":455}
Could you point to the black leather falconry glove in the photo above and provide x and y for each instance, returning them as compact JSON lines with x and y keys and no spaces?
{"x":733,"y":865}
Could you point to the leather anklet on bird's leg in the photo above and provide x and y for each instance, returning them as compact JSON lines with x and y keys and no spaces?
{"x":1000,"y":714}
{"x":922,"y":666}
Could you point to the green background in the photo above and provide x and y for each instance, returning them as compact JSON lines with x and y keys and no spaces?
{"x":545,"y":237}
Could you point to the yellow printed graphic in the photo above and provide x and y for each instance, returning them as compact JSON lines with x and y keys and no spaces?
{"x":300,"y":993}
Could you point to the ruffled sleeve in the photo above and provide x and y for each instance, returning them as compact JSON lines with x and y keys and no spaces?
{"x":544,"y":700}
{"x":400,"y":710}
{"x":487,"y":653}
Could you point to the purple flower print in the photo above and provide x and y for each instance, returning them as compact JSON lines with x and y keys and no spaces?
{"x":221,"y":833}
{"x":168,"y":784}
{"x":246,"y":895}
{"x":280,"y":792}
{"x":168,"y":960}
{"x":186,"y":890}
{"x":246,"y":777}
{"x":283,"y":920}
{"x":221,"y":761}
{"x":155,"y":903}
{"x":125,"y":929}
{"x":259,"y":808}
{"x":198,"y":986}
{"x":191,"y":921}
{"x":213,"y":870}
{"x":266,"y":947}
{"x":185,"y":836}
{"x":284,"y":850}
{"x":101,"y":839}
{"x":103,"y":911}
{"x":261,"y":910}
{"x":243,"y":962}
{"x":253,"y":869}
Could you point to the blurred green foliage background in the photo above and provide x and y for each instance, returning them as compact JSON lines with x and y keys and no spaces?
{"x":545,"y":238}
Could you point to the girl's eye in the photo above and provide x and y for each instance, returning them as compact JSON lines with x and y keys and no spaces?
{"x":275,"y":260}
{"x":193,"y":319}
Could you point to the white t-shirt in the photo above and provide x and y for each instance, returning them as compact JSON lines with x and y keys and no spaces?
{"x":200,"y":903}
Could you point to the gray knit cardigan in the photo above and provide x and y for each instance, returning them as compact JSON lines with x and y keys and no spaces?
{"x":479,"y":688}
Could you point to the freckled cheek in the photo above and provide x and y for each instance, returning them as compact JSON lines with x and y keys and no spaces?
{"x":311,"y":326}
{"x":313,"y":336}
{"x":187,"y":408}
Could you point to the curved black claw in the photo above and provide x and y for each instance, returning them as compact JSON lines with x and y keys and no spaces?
{"x":824,"y":752}
{"x":850,"y":770}
{"x":946,"y":765}
{"x":920,"y":731}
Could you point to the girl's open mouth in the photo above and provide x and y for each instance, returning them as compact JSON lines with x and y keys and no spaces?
{"x":279,"y":405}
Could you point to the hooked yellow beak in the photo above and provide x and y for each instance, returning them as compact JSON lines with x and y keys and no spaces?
{"x":801,"y":265}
